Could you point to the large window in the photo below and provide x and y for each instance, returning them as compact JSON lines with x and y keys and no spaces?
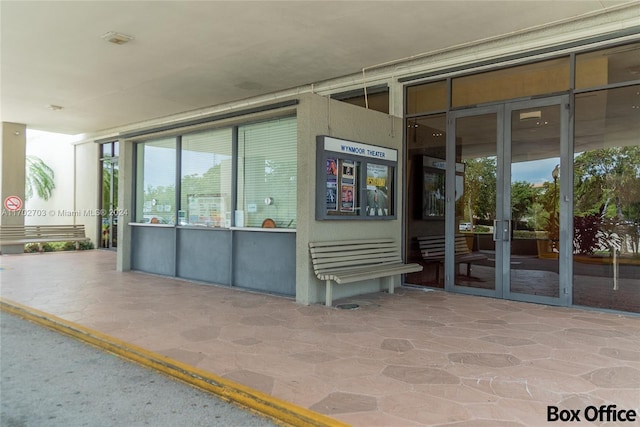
{"x":427,"y":97}
{"x":267,"y":174}
{"x":510,"y":83}
{"x":202,"y":164}
{"x":205,"y":186}
{"x":606,"y":206}
{"x":156,"y":181}
{"x":608,"y":66}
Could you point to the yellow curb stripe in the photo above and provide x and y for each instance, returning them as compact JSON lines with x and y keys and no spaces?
{"x":255,"y":400}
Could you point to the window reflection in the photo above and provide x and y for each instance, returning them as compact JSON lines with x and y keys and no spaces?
{"x":206,"y":179}
{"x":156,"y":182}
{"x":607,"y":199}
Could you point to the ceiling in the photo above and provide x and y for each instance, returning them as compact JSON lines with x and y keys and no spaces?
{"x":187,"y":55}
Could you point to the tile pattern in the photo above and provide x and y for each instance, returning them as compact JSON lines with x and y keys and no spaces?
{"x":409,"y":359}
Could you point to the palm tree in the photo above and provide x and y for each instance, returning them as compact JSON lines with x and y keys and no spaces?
{"x":39,"y":178}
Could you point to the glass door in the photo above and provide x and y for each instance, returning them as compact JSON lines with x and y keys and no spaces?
{"x":109,"y":200}
{"x":476,"y":136}
{"x":536,"y":219}
{"x":506,"y":224}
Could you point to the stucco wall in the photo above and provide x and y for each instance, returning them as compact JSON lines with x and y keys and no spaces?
{"x":87,"y":188}
{"x":56,"y":151}
{"x":319,"y":115}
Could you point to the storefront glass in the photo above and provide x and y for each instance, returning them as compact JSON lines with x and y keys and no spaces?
{"x":267,"y":174}
{"x":426,"y":164}
{"x":156,"y":182}
{"x":606,"y":204}
{"x":205,"y":192}
{"x":575,"y":191}
{"x":510,"y":83}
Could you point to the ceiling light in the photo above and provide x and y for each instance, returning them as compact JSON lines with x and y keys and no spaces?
{"x":531,"y":115}
{"x":54,"y":107}
{"x":116,"y":38}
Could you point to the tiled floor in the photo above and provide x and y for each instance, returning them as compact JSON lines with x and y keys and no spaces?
{"x":408,"y":359}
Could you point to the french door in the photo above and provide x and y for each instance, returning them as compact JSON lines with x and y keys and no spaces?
{"x":511,"y":201}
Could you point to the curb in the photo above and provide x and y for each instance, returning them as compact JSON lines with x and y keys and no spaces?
{"x":262,"y":403}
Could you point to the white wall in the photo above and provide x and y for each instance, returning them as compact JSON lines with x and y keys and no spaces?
{"x":75,"y":198}
{"x":87,"y":188}
{"x":56,"y":151}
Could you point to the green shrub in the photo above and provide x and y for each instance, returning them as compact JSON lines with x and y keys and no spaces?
{"x":57,"y":246}
{"x":68,"y":246}
{"x":31,"y":248}
{"x":86,"y":245}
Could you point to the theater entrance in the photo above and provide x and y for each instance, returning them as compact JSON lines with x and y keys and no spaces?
{"x":488,"y":209}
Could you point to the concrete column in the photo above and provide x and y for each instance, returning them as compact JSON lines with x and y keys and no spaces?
{"x":125,"y":204}
{"x":13,"y":146}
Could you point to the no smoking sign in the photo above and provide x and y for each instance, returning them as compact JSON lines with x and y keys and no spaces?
{"x":13,"y":203}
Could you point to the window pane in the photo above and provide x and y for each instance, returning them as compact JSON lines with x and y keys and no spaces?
{"x":615,"y":65}
{"x":427,"y":98}
{"x":606,"y":240}
{"x":267,"y":173}
{"x":425,"y":168}
{"x":375,"y":101}
{"x":206,"y":179}
{"x":510,"y":83}
{"x":107,"y":149}
{"x":156,"y":181}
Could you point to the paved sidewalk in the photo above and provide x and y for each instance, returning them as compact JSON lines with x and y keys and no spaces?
{"x":408,"y":359}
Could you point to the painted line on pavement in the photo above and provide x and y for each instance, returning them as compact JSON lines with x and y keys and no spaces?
{"x":277,"y":409}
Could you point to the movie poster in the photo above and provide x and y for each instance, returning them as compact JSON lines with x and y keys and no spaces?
{"x":332,"y":184}
{"x":347,"y":186}
{"x":377,"y":190}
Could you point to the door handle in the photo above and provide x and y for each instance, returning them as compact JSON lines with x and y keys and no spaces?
{"x":495,"y":230}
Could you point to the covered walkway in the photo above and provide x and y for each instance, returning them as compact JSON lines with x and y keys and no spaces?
{"x":413,"y":358}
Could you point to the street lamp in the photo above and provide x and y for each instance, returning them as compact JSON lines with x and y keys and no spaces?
{"x":553,"y":221}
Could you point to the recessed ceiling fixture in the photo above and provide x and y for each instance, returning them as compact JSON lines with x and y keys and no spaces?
{"x":54,"y":107}
{"x":527,"y":115}
{"x":116,"y":38}
{"x":635,"y":70}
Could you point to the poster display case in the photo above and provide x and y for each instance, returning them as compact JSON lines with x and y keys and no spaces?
{"x":355,"y":180}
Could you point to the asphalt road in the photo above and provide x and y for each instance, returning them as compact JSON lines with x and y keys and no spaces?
{"x":50,"y":379}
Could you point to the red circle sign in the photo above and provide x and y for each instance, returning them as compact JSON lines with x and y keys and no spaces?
{"x":13,"y":203}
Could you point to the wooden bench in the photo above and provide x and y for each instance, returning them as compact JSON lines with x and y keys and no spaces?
{"x":433,"y":251}
{"x":354,"y":260}
{"x":24,"y":234}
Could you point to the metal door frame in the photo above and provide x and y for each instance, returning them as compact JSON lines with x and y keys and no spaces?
{"x":503,"y":201}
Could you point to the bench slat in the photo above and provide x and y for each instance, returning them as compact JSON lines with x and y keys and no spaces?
{"x":387,"y":270}
{"x":365,"y":254}
{"x":356,"y":265}
{"x":339,"y":243}
{"x":355,"y":247}
{"x":358,"y":262}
